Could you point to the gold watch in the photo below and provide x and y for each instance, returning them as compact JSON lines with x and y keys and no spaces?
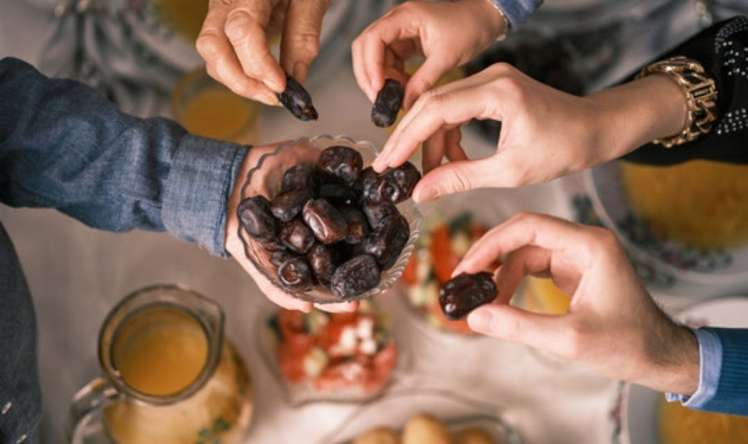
{"x":701,"y":97}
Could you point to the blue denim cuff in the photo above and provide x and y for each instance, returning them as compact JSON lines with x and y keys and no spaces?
{"x":518,"y":11}
{"x":200,"y":181}
{"x":710,"y":359}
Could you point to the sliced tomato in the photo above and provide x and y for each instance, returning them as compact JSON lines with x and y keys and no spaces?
{"x":330,"y":335}
{"x":410,"y":276}
{"x":290,"y":322}
{"x":291,"y":357}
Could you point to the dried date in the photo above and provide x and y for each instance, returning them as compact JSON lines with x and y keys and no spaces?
{"x":358,"y":227}
{"x":297,"y":100}
{"x":300,"y":177}
{"x":326,"y":222}
{"x":320,"y":258}
{"x":295,"y":274}
{"x":388,"y":103}
{"x":466,"y":292}
{"x":355,"y":277}
{"x":342,"y":162}
{"x":281,"y":256}
{"x":255,"y":216}
{"x":394,"y":185}
{"x":297,"y":236}
{"x":377,"y":212}
{"x":388,"y":241}
{"x":337,"y":193}
{"x":286,"y":206}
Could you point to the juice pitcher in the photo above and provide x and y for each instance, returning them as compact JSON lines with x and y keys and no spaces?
{"x":169,"y":375}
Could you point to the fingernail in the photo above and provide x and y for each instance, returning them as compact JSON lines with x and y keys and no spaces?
{"x":270,"y":100}
{"x":480,"y":320}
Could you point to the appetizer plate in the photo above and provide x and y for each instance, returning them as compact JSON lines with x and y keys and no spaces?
{"x":636,"y":414}
{"x":457,"y":411}
{"x":300,"y":393}
{"x":678,"y":268}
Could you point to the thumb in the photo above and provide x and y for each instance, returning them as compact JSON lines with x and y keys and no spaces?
{"x":426,"y":77}
{"x":517,"y":325}
{"x":300,"y":44}
{"x":454,"y":177}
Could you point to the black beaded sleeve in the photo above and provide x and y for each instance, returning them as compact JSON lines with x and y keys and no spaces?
{"x":722,"y":50}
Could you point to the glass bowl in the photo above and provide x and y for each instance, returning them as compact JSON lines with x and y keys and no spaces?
{"x":265,"y":179}
{"x":310,"y":390}
{"x":456,"y":411}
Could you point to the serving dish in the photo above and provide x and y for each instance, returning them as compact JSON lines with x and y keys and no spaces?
{"x":456,"y":410}
{"x":309,"y":363}
{"x":675,"y":267}
{"x":265,"y":179}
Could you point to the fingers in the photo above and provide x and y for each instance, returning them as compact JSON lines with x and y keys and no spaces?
{"x":434,"y":110}
{"x":427,"y":75}
{"x":301,"y":33}
{"x":434,"y":150}
{"x":513,"y":324}
{"x":454,"y":177}
{"x":454,"y":147}
{"x":221,"y":60}
{"x":525,"y":261}
{"x":246,"y":30}
{"x":369,"y":48}
{"x":565,"y":240}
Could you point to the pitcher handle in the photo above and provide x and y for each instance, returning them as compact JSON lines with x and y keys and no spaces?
{"x":91,"y":397}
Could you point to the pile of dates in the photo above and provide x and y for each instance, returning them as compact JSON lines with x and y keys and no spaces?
{"x":334,"y":224}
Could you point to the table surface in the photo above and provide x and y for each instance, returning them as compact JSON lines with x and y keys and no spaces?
{"x":76,"y":275}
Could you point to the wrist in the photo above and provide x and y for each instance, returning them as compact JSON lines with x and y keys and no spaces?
{"x":636,"y":113}
{"x":673,"y":365}
{"x":489,"y":13}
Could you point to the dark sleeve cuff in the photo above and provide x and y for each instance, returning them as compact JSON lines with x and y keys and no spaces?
{"x":202,"y":175}
{"x":731,"y":395}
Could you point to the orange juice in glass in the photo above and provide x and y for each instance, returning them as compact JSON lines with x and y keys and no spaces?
{"x":208,"y":109}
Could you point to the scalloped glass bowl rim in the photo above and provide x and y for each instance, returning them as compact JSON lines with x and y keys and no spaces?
{"x":390,"y":276}
{"x":478,"y":410}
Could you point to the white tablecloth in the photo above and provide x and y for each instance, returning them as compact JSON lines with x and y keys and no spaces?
{"x":76,"y":274}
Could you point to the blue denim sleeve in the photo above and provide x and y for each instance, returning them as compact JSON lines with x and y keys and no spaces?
{"x":64,"y":146}
{"x":518,"y":11}
{"x":723,"y":371}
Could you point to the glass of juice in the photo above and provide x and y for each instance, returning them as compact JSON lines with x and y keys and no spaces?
{"x":169,"y":375}
{"x":541,"y":295}
{"x":208,"y":109}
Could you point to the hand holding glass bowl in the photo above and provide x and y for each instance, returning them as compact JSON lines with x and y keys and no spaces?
{"x":265,"y":179}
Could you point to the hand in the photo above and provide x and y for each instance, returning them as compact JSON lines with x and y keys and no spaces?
{"x":234,"y":43}
{"x":235,"y":247}
{"x":447,"y":34}
{"x":545,"y":133}
{"x":613,"y":326}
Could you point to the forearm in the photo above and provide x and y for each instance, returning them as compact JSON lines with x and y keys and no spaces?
{"x":64,"y":146}
{"x":635,"y":113}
